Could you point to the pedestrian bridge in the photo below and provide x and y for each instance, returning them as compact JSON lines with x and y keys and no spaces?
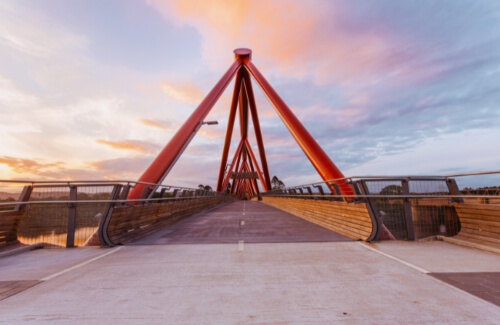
{"x":86,"y":213}
{"x":248,"y":262}
{"x":290,"y":256}
{"x":346,"y":249}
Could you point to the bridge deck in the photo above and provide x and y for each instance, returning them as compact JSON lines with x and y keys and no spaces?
{"x":248,"y":221}
{"x":255,"y":283}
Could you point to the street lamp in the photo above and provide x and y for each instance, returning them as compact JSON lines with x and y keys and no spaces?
{"x":210,"y":122}
{"x":180,"y":153}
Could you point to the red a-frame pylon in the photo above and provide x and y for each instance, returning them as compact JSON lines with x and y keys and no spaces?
{"x":244,"y":166}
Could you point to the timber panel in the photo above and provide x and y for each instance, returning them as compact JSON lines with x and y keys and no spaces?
{"x":349,"y":219}
{"x":9,"y":222}
{"x":480,"y":223}
{"x":128,"y":223}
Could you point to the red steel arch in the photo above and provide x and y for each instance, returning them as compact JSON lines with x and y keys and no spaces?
{"x":244,"y":160}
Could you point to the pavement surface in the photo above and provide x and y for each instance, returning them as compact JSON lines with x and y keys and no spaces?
{"x":289,"y":282}
{"x":248,"y":221}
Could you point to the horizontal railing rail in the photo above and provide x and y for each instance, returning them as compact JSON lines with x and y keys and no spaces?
{"x":352,"y":179}
{"x":156,"y":200}
{"x":374,"y":196}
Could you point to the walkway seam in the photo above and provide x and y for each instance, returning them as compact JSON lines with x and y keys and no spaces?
{"x":395,"y":258}
{"x":50,"y":277}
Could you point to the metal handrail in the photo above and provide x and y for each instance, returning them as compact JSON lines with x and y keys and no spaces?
{"x":93,"y":183}
{"x":475,"y":174}
{"x":370,"y":196}
{"x":386,"y":178}
{"x":402,"y":196}
{"x":109,"y":201}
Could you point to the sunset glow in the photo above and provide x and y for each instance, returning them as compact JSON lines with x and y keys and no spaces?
{"x":95,"y":89}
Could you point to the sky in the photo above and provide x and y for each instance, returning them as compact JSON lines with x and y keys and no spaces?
{"x":93,"y":89}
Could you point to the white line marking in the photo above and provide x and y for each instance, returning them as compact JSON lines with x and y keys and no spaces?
{"x":50,"y":277}
{"x":395,"y":258}
{"x":241,"y":246}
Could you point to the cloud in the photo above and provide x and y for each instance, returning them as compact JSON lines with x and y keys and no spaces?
{"x":38,"y":40}
{"x":13,"y":96}
{"x":311,"y":39}
{"x":162,"y":125}
{"x":132,"y":145}
{"x":30,"y":166}
{"x":183,"y":92}
{"x":124,"y":168}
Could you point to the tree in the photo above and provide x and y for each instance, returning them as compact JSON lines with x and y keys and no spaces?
{"x":205,"y":187}
{"x":392,"y":190}
{"x":277,"y":184}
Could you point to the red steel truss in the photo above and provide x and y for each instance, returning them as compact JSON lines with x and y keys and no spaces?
{"x":244,"y":160}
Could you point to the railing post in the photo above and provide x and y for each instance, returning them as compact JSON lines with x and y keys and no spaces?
{"x":145,"y":194}
{"x":454,"y":190}
{"x":124,"y":193}
{"x":162,"y":192}
{"x":70,"y":237}
{"x":320,"y":189}
{"x":103,"y":225}
{"x":408,"y":214}
{"x":377,"y":221}
{"x":24,"y":197}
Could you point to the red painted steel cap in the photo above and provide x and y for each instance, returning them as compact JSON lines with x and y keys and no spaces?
{"x":243,"y":53}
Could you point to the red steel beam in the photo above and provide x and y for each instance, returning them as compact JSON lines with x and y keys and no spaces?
{"x":229,"y":131}
{"x":258,"y":133}
{"x":319,"y":159}
{"x":252,"y":159}
{"x":171,"y":152}
{"x":243,"y":112}
{"x":236,"y":183}
{"x":253,"y":181}
{"x":231,"y":167}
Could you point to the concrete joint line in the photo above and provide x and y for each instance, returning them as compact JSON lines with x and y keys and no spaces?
{"x":395,"y":258}
{"x":50,"y":277}
{"x":425,"y":272}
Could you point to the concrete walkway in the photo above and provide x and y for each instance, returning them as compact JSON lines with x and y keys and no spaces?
{"x":241,"y":283}
{"x":248,"y":221}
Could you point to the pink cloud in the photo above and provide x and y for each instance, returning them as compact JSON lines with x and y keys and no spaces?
{"x":182,"y":92}
{"x":298,"y":38}
{"x":162,"y":125}
{"x":133,"y":145}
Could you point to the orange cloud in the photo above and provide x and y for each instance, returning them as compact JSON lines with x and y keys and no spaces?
{"x":23,"y":166}
{"x":298,"y":38}
{"x":133,"y":145}
{"x":162,"y":125}
{"x":182,"y":92}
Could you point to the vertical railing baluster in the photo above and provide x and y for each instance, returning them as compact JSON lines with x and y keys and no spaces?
{"x":70,"y":236}
{"x":407,"y":206}
{"x":24,"y":197}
